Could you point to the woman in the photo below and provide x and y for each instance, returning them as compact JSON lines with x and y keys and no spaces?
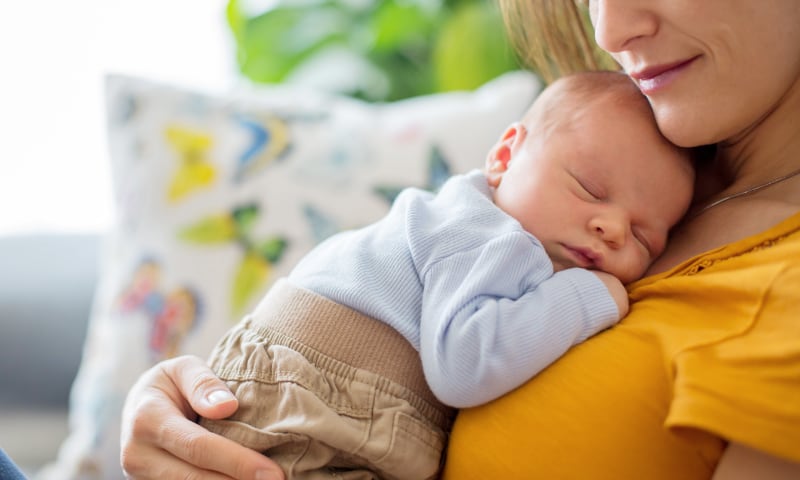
{"x":701,"y":379}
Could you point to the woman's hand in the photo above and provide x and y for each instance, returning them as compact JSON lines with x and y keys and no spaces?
{"x":160,"y":439}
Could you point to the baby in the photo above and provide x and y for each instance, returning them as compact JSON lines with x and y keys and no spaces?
{"x":351,"y":367}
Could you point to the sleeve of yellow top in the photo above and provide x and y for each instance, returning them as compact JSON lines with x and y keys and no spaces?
{"x":745,"y":388}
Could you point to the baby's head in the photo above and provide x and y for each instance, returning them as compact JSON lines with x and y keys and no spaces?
{"x":589,"y":174}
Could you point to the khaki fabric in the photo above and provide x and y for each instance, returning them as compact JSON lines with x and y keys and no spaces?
{"x":329,"y":393}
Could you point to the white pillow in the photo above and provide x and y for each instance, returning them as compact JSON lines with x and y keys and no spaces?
{"x":216,"y":197}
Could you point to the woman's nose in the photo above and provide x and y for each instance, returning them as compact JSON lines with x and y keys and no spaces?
{"x":618,"y":22}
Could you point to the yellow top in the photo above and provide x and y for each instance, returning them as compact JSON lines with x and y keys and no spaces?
{"x":709,"y":350}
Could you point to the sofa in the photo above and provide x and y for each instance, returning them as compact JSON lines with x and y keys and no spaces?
{"x":47,"y":282}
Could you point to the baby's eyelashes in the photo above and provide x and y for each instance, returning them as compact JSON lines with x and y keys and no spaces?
{"x":653,"y":248}
{"x":592,"y":190}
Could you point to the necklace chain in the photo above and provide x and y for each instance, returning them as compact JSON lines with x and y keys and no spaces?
{"x":747,"y":191}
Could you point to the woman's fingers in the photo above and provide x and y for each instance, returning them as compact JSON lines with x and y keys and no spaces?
{"x":206,"y":394}
{"x":160,"y":438}
{"x":201,"y":448}
{"x":150,"y":463}
{"x":164,"y":444}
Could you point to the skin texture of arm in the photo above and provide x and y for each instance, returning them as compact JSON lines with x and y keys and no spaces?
{"x":743,"y":463}
{"x":160,"y":439}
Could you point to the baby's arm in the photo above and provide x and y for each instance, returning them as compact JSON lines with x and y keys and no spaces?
{"x":495,"y":315}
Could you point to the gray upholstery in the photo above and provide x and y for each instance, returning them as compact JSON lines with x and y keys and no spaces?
{"x":47,"y":283}
{"x":46,"y":288}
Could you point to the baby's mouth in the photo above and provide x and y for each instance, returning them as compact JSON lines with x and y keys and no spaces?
{"x":583,"y":257}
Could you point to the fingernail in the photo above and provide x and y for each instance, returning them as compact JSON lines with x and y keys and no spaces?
{"x":219,"y":396}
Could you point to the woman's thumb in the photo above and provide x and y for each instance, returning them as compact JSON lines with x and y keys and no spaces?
{"x":206,"y":393}
{"x":217,"y":402}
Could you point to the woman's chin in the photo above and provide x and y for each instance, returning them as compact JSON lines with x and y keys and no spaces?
{"x":684,"y":130}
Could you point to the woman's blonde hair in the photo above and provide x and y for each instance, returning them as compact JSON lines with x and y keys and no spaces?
{"x":553,"y":37}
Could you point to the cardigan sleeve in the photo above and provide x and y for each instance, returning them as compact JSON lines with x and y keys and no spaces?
{"x":495,"y":315}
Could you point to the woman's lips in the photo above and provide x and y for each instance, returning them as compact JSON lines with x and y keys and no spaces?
{"x":655,"y":78}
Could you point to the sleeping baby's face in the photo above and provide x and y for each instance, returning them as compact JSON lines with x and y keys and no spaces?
{"x":601,"y":193}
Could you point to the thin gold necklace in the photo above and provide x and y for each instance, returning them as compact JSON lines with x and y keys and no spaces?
{"x":747,"y":191}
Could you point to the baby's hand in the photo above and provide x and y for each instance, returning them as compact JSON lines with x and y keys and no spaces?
{"x":616,"y":289}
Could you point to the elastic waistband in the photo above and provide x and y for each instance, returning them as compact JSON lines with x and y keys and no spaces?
{"x":349,"y":336}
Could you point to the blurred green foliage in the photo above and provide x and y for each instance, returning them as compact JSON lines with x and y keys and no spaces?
{"x":407,"y":47}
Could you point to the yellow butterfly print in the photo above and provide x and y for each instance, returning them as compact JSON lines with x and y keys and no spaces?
{"x":195,"y":171}
{"x":259,"y":255}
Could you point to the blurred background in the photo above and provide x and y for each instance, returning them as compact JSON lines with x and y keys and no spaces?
{"x":56,"y":54}
{"x":55,"y":186}
{"x":52,"y":117}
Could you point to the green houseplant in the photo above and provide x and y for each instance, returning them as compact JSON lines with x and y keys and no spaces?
{"x":384,"y":49}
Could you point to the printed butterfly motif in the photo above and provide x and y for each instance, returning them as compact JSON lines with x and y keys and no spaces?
{"x":438,"y":173}
{"x":258,"y":256}
{"x":124,"y":109}
{"x":268,"y":141}
{"x":322,"y":226}
{"x":195,"y":171}
{"x":173,"y":314}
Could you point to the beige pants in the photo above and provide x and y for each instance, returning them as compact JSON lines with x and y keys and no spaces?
{"x":329,"y":393}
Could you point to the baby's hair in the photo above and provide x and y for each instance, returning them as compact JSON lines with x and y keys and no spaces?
{"x":564,"y":101}
{"x":571,"y":95}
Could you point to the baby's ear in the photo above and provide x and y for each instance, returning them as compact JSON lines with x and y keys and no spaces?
{"x":500,"y":154}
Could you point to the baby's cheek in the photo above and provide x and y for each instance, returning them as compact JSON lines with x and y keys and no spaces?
{"x":627,"y":267}
{"x":558,"y":266}
{"x":641,"y":263}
